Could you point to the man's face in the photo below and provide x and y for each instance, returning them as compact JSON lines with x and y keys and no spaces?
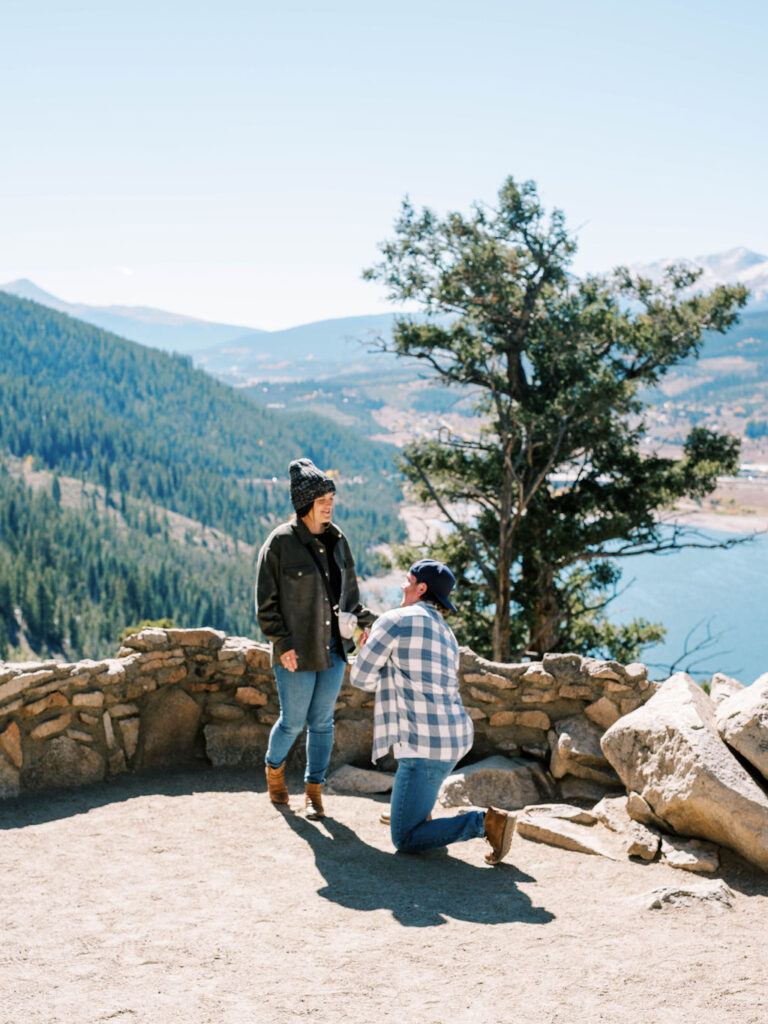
{"x":413,"y":591}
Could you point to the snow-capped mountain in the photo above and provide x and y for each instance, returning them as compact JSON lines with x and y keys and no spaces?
{"x":736,"y":266}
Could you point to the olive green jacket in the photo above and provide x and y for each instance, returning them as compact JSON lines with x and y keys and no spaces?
{"x":292,"y":605}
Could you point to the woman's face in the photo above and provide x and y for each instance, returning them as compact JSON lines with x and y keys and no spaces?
{"x":320,"y":515}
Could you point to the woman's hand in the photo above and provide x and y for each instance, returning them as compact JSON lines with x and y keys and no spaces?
{"x":289,"y":661}
{"x":363,"y":637}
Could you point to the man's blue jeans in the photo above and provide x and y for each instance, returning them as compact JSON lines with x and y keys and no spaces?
{"x":416,"y":786}
{"x":306,"y":698}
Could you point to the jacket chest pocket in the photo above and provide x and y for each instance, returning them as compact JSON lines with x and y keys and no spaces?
{"x":296,"y":575}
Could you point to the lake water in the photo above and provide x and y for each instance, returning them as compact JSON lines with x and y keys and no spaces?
{"x":688,"y":590}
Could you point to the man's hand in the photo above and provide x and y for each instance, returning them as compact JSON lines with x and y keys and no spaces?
{"x":363,"y":637}
{"x":289,"y":661}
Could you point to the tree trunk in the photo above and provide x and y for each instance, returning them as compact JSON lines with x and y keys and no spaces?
{"x":502,"y":648}
{"x":545,"y":608}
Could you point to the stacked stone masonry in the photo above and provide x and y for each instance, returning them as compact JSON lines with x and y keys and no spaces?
{"x":177,"y":698}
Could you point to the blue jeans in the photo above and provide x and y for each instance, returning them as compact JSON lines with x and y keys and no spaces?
{"x":306,"y":698}
{"x":416,"y":786}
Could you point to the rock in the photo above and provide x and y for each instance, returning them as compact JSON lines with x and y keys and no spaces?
{"x":169,"y":730}
{"x":722,"y":686}
{"x":129,"y":733}
{"x":535,"y":675}
{"x":240,"y":744}
{"x":51,"y":727}
{"x":639,"y":840}
{"x":505,"y":782}
{"x":669,"y":752}
{"x":716,"y":893}
{"x":575,"y":743}
{"x":642,"y":842}
{"x":608,"y":670}
{"x":352,"y":742}
{"x":636,"y":671}
{"x":742,"y":721}
{"x":349,"y":779}
{"x":690,"y":854}
{"x":251,"y":696}
{"x":484,"y":696}
{"x":526,"y":719}
{"x":569,"y":833}
{"x":225,"y":712}
{"x":92,"y":699}
{"x":639,"y":811}
{"x":149,"y":639}
{"x":566,"y":667}
{"x":64,"y":763}
{"x":123,"y":710}
{"x":571,"y":788}
{"x":474,"y":669}
{"x":603,"y":712}
{"x":9,"y":779}
{"x":563,"y":812}
{"x":212,"y":639}
{"x":10,"y":742}
{"x":52,"y":700}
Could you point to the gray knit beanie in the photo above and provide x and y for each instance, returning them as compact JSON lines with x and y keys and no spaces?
{"x":307,"y":483}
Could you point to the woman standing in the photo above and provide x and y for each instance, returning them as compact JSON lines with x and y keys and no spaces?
{"x":305,"y":576}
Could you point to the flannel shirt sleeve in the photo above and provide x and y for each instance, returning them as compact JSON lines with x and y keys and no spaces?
{"x":366,"y":671}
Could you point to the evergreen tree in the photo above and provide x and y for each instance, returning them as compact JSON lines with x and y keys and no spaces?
{"x":557,"y":480}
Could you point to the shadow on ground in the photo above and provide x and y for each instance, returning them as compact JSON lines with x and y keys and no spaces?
{"x":52,"y":805}
{"x":421,"y":890}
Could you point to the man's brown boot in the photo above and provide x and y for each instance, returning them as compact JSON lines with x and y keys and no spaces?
{"x":278,"y":791}
{"x":499,"y":828}
{"x":313,"y":800}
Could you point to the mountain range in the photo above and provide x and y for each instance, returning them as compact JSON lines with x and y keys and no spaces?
{"x":157,"y":328}
{"x":328,"y":348}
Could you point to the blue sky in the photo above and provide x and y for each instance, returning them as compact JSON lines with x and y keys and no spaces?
{"x":239,"y":161}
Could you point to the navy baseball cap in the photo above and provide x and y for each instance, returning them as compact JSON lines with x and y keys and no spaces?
{"x":439,"y":579}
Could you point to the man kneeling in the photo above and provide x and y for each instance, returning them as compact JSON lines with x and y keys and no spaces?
{"x":411,"y":660}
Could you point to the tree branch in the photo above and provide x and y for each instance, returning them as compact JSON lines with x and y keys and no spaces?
{"x":460,"y":527}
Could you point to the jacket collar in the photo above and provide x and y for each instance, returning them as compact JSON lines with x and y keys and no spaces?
{"x":306,"y":536}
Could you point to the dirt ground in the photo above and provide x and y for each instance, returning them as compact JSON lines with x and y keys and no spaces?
{"x":191,"y":899}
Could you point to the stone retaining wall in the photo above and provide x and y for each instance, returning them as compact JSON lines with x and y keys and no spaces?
{"x":177,"y":698}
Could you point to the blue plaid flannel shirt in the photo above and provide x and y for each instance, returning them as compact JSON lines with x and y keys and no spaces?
{"x":411,"y":660}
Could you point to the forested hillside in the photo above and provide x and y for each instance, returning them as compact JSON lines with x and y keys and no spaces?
{"x":151,"y":431}
{"x":71,"y":581}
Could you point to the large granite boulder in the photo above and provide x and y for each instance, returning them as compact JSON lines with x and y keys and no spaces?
{"x":670,"y":753}
{"x":506,"y":782}
{"x":742,"y":721}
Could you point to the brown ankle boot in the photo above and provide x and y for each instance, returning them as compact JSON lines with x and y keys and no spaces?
{"x":499,"y":828}
{"x":313,"y":800}
{"x":278,"y":791}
